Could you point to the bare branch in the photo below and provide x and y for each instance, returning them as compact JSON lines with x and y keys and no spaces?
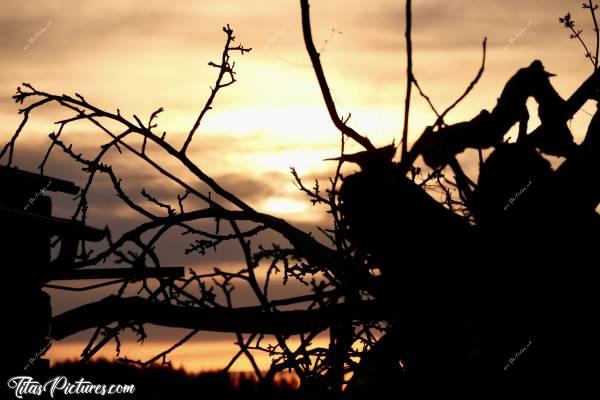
{"x":225,"y":69}
{"x":114,"y":308}
{"x":409,"y":77}
{"x":318,"y":68}
{"x":471,"y":85}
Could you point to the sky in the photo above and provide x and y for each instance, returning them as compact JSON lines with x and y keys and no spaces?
{"x":139,"y":56}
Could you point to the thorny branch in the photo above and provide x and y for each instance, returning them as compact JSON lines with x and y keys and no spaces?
{"x":226,"y":69}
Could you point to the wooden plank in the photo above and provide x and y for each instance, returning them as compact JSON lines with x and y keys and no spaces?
{"x":54,"y":184}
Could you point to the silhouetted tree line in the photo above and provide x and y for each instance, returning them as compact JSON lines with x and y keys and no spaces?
{"x":164,"y":382}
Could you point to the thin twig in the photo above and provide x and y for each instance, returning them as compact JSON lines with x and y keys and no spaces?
{"x":471,"y":85}
{"x":225,"y":69}
{"x":593,"y":8}
{"x":409,"y":77}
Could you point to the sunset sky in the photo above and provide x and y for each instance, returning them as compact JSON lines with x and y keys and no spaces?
{"x":138,"y":56}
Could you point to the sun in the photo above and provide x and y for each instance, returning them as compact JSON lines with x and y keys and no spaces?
{"x":284,"y":206}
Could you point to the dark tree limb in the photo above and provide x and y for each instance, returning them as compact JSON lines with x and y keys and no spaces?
{"x":488,"y":128}
{"x":409,"y":77}
{"x":318,"y":68}
{"x":117,"y":309}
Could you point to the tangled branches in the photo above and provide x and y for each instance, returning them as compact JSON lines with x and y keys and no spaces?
{"x":197,"y":302}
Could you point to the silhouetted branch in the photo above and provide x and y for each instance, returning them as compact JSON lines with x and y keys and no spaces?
{"x":113,"y":309}
{"x":225,"y":69}
{"x":227,"y":289}
{"x":318,"y":68}
{"x":163,"y":354}
{"x":486,"y":129}
{"x":569,"y":23}
{"x":19,"y":98}
{"x":428,"y":133}
{"x":409,"y":77}
{"x":244,"y":349}
{"x":593,"y":7}
{"x":471,"y":85}
{"x":427,"y":99}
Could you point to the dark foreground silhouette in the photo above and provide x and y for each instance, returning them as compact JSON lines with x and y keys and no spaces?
{"x":506,"y":297}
